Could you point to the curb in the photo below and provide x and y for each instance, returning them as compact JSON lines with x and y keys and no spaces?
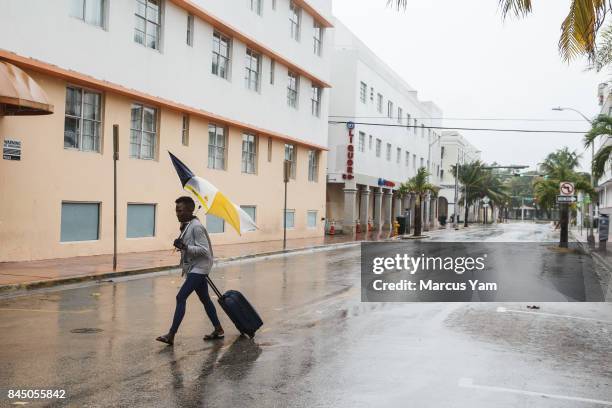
{"x":587,"y":249}
{"x":27,"y":286}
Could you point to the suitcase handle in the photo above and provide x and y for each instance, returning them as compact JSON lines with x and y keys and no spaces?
{"x":210,"y":282}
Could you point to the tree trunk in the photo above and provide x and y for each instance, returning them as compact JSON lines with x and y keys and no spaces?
{"x":417,"y":216}
{"x":467,"y":211}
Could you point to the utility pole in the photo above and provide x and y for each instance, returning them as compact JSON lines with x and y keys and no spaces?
{"x":286,"y":176}
{"x":115,"y":158}
{"x":455,"y":222}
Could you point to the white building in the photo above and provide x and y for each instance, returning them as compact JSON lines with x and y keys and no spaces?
{"x":604,"y":184}
{"x":456,"y":149}
{"x":233,"y":88}
{"x":391,"y":139}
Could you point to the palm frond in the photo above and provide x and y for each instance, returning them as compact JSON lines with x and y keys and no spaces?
{"x":519,"y":8}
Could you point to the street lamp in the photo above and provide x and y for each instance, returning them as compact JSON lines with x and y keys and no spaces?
{"x":590,"y":236}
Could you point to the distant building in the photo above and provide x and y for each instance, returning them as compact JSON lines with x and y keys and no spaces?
{"x":391,"y":140}
{"x":455,"y":149}
{"x":604,"y":183}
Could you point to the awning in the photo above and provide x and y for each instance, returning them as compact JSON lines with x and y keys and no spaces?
{"x":20,"y":94}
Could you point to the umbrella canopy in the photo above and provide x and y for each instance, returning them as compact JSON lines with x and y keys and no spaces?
{"x":20,"y":94}
{"x":213,"y":201}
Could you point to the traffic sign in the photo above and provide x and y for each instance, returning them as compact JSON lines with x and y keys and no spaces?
{"x":566,"y":199}
{"x":566,"y":188}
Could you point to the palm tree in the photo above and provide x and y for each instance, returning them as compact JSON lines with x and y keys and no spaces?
{"x":419,"y":186}
{"x":601,"y":126}
{"x":578,"y":29}
{"x":559,"y":166}
{"x":471,"y":177}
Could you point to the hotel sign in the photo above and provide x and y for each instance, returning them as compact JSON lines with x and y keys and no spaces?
{"x":11,"y":149}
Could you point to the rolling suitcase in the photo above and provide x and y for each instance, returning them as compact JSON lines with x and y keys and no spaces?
{"x":236,"y":306}
{"x":238,"y":309}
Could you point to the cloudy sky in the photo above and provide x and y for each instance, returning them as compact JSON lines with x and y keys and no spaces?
{"x":463,"y":57}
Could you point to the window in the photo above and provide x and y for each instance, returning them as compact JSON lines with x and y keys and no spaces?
{"x":407,"y":159}
{"x":190,"y":30}
{"x":256,"y":6}
{"x":290,"y":155}
{"x":214,"y":224}
{"x":269,"y":149}
{"x":370,"y":142}
{"x":311,"y":219}
{"x":388,"y":151}
{"x":313,"y":165}
{"x":185,"y":132}
{"x":249,"y":153}
{"x":140,"y":220}
{"x":442,"y":152}
{"x":399,"y":115}
{"x":273,"y":4}
{"x":414,"y":161}
{"x":438,"y":170}
{"x":378,"y":147}
{"x":216,"y":147}
{"x":442,"y":173}
{"x":399,"y":155}
{"x":292,"y":89}
{"x":294,"y":20}
{"x":143,"y":132}
{"x":272,"y":68}
{"x":389,"y":109}
{"x":363,"y":90}
{"x":315,"y":100}
{"x":317,"y":38}
{"x":415,"y":127}
{"x":90,"y":11}
{"x":252,"y":66}
{"x":148,"y":23}
{"x":251,"y":211}
{"x":221,"y":55}
{"x":83,"y":120}
{"x":408,"y":122}
{"x":371,"y":94}
{"x":422,"y":130}
{"x":361,"y":145}
{"x":428,"y":167}
{"x":422,"y":162}
{"x":290,"y":218}
{"x":379,"y":102}
{"x":80,"y":222}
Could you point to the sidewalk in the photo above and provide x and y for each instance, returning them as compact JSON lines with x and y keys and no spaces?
{"x":602,"y":254}
{"x":51,"y":272}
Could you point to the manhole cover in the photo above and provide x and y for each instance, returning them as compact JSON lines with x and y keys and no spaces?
{"x":86,"y":330}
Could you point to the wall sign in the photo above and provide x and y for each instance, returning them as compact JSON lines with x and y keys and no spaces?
{"x":11,"y":149}
{"x":350,"y":153}
{"x":385,"y":183}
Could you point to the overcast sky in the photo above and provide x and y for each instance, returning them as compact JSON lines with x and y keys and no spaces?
{"x":464,"y":58}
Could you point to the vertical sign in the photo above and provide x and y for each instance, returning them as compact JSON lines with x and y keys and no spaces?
{"x":350,"y":152}
{"x":11,"y":149}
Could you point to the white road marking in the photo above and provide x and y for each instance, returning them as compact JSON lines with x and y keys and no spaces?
{"x":590,"y":319}
{"x":469,"y":383}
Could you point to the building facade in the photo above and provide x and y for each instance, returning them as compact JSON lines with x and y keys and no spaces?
{"x":391,"y":140}
{"x":604,"y":184}
{"x":455,"y":150}
{"x":231,"y":88}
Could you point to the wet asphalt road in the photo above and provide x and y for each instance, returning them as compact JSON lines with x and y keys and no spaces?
{"x":320,"y":346}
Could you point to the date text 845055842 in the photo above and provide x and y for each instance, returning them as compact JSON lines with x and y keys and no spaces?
{"x":36,"y":394}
